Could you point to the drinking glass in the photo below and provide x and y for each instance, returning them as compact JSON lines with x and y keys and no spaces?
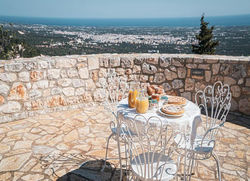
{"x":142,"y":102}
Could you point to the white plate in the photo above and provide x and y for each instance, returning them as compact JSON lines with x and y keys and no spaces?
{"x":170,"y":115}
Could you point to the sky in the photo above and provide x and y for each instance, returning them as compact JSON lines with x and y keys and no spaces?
{"x":122,"y":8}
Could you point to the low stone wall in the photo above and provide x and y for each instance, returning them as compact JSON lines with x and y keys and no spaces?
{"x":44,"y":84}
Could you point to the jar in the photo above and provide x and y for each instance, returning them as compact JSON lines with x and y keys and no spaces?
{"x":156,"y":96}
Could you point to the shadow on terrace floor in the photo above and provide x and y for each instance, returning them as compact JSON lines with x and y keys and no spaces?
{"x":236,"y":118}
{"x":239,"y":119}
{"x":91,"y":171}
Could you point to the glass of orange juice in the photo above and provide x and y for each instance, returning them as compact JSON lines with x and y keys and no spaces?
{"x":133,"y":92}
{"x":142,"y":103}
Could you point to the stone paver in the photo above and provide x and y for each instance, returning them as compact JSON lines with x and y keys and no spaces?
{"x":47,"y":147}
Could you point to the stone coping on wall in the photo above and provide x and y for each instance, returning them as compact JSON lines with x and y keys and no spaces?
{"x":43,"y":84}
{"x":217,"y":57}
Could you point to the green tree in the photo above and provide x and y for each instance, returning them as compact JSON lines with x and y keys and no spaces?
{"x":11,"y":47}
{"x":205,"y":43}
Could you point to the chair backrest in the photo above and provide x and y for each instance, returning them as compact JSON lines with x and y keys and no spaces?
{"x":149,"y":141}
{"x":116,"y":89}
{"x":196,"y":123}
{"x":215,"y":102}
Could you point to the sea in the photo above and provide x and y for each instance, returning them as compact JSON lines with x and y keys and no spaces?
{"x":237,"y":20}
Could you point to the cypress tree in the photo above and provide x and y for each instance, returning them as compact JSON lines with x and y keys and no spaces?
{"x":205,"y":43}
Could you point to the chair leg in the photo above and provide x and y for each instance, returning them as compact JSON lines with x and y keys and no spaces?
{"x":119,"y":153}
{"x":191,"y":167}
{"x":126,"y":161}
{"x":106,"y":154}
{"x":218,"y":165}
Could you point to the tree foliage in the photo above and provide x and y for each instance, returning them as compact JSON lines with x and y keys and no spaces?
{"x":205,"y":43}
{"x":11,"y":47}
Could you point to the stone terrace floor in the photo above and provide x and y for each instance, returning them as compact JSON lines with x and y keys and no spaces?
{"x":46,"y":147}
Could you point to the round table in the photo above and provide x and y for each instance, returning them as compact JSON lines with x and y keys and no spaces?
{"x":181,"y":123}
{"x":191,"y":110}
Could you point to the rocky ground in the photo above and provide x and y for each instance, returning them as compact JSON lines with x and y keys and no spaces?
{"x":56,"y":146}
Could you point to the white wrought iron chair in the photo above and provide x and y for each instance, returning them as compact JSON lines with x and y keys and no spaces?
{"x":150,"y":149}
{"x":116,"y":89}
{"x":215,"y":102}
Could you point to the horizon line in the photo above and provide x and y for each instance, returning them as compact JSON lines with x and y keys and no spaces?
{"x":126,"y":18}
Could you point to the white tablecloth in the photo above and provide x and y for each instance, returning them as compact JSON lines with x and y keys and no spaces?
{"x":191,"y":110}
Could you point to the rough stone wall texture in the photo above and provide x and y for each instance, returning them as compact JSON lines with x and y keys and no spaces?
{"x":46,"y":84}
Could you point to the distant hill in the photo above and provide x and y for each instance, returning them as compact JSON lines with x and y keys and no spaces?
{"x":13,"y":47}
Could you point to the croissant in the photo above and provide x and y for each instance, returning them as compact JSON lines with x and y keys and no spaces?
{"x":150,"y":90}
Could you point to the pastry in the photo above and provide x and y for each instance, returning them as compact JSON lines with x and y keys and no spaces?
{"x":150,"y":90}
{"x":177,"y":100}
{"x":154,"y":89}
{"x":172,"y":109}
{"x":159,"y":90}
